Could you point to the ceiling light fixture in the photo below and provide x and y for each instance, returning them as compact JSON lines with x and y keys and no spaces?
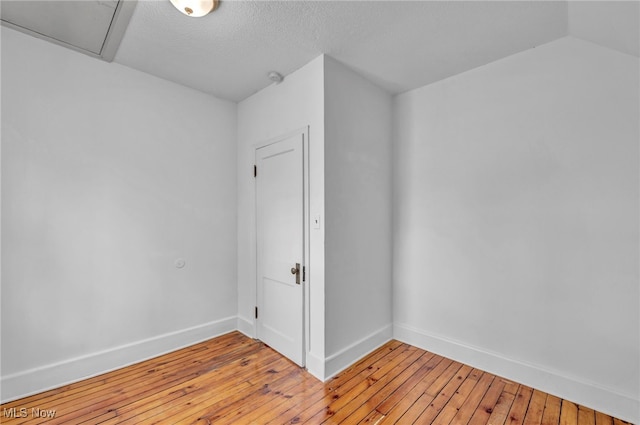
{"x":195,"y":8}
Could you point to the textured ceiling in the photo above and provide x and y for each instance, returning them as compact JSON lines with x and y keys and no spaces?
{"x":397,"y":45}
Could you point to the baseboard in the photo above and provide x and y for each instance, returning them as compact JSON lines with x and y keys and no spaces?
{"x":246,"y":326}
{"x":588,"y":394}
{"x":33,"y":381}
{"x":344,"y":358}
{"x":315,"y":365}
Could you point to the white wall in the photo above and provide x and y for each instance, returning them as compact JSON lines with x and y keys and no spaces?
{"x":279,"y":109}
{"x":613,"y":24}
{"x":516,"y":221}
{"x":515,"y":216}
{"x":108,"y":176}
{"x":358,"y":216}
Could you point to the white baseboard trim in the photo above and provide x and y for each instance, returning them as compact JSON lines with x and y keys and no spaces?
{"x":33,"y":381}
{"x":344,"y":358}
{"x":246,"y":326}
{"x":315,"y":365}
{"x":605,"y":400}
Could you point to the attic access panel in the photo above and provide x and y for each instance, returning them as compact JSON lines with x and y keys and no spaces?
{"x":89,"y":26}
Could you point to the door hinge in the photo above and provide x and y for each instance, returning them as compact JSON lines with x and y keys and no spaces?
{"x":255,"y":171}
{"x":256,"y":312}
{"x":304,"y":274}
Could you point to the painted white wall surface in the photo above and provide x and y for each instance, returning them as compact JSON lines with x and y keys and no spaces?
{"x":613,"y":24}
{"x":358,"y":216}
{"x":516,"y":221}
{"x":109,"y":176}
{"x":277,"y":110}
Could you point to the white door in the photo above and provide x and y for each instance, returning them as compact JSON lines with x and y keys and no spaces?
{"x":280,"y":252}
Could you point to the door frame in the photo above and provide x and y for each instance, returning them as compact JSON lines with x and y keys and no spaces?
{"x":306,"y":245}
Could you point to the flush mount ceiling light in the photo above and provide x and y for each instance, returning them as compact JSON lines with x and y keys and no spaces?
{"x":195,"y":8}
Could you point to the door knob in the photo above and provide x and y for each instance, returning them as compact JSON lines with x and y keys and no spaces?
{"x":296,"y":270}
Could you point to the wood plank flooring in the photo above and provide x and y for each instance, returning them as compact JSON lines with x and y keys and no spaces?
{"x":233,"y":379}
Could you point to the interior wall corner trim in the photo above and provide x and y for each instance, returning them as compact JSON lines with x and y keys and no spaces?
{"x":347,"y":356}
{"x":246,"y":326}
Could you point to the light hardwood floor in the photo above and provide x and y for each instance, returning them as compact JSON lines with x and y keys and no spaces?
{"x":233,"y":379}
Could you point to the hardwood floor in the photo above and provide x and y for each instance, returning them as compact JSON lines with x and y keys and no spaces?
{"x":236,"y":380}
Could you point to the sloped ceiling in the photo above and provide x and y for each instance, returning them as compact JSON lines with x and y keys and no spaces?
{"x":59,"y":19}
{"x":399,"y":45}
{"x":93,"y":27}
